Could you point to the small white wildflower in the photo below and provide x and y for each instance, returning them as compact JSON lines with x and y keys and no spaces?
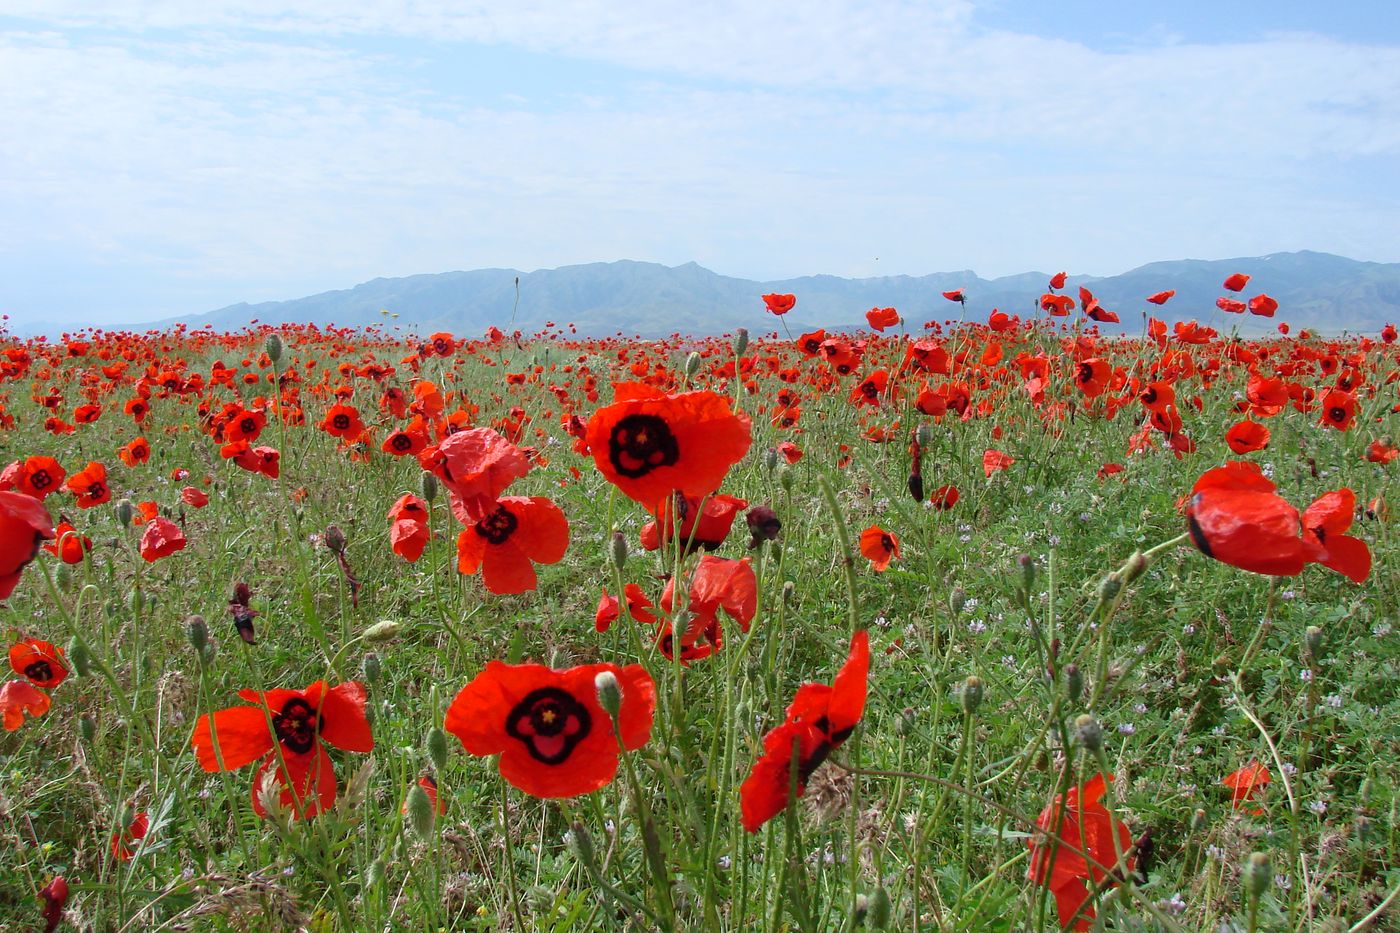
{"x":1139,"y":708}
{"x":1173,"y":905}
{"x":1290,"y":768}
{"x":1333,"y":700}
{"x":1305,"y":675}
{"x":1189,"y":630}
{"x":1318,"y":806}
{"x":1126,"y":728}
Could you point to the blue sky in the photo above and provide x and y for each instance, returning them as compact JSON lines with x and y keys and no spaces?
{"x":168,"y":157}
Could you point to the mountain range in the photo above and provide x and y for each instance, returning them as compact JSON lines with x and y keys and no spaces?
{"x":1327,"y":293}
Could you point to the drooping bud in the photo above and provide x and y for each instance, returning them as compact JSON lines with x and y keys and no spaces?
{"x":1257,"y":875}
{"x":197,"y":632}
{"x":609,"y":693}
{"x":741,"y":341}
{"x":428,"y":483}
{"x":437,"y":748}
{"x":420,"y":811}
{"x":334,"y":539}
{"x":1089,"y":733}
{"x":272,"y":346}
{"x":1074,"y":682}
{"x":916,"y":486}
{"x":789,"y":592}
{"x":879,"y":909}
{"x":617,"y":549}
{"x":971,"y":695}
{"x":1027,"y":565}
{"x":383,"y":632}
{"x":770,"y":459}
{"x":763,"y":524}
{"x":125,"y":511}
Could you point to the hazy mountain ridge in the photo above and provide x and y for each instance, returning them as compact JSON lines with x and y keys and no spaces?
{"x":1317,"y":290}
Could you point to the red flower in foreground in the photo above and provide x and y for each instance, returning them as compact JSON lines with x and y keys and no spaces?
{"x":1234,"y":516}
{"x":89,"y":485}
{"x":1247,"y":783}
{"x":503,"y":544}
{"x":39,"y":476}
{"x":818,"y":720}
{"x":1077,"y":819}
{"x":1326,"y":522}
{"x":18,"y":697}
{"x":879,"y":547}
{"x":476,"y":465}
{"x":42,"y":662}
{"x":650,"y":445}
{"x":161,"y":538}
{"x":554,"y":738}
{"x":24,"y":525}
{"x":55,"y":896}
{"x":125,"y":842}
{"x":303,"y":722}
{"x":779,"y":304}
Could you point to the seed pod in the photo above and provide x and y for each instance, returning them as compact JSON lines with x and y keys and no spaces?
{"x":692,"y":364}
{"x":1256,"y":875}
{"x":383,"y":632}
{"x":1027,"y":565}
{"x":125,"y":511}
{"x":971,"y":695}
{"x":272,"y":346}
{"x":770,"y":459}
{"x":420,"y":812}
{"x":437,"y":748}
{"x":1312,"y":640}
{"x":197,"y":632}
{"x":957,"y":599}
{"x":335,"y":539}
{"x":609,"y":693}
{"x":87,"y":728}
{"x":1089,"y":733}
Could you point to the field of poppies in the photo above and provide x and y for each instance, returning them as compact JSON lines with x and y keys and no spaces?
{"x":991,"y":623}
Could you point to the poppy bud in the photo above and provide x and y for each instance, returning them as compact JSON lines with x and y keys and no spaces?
{"x":582,"y":844}
{"x":1074,"y":682}
{"x":87,"y":728}
{"x":1256,"y":875}
{"x":1198,"y":821}
{"x":1089,"y":733}
{"x":1362,"y":826}
{"x":916,"y":486}
{"x":1110,"y":586}
{"x":335,"y":539}
{"x":1312,"y":640}
{"x":763,"y":524}
{"x":1027,"y":565}
{"x":1368,"y":786}
{"x":618,"y":550}
{"x":957,"y":599}
{"x":136,"y":600}
{"x":437,"y":748}
{"x":923,"y":435}
{"x":371,"y":668}
{"x":428,"y":482}
{"x":64,"y":578}
{"x":374,"y":873}
{"x":789,"y":592}
{"x":971,"y":695}
{"x":272,"y":346}
{"x":879,"y":909}
{"x":741,"y":341}
{"x":1134,"y":567}
{"x":609,"y":693}
{"x":770,"y":459}
{"x":80,"y":657}
{"x":692,"y":364}
{"x":125,"y":510}
{"x":382,"y":632}
{"x":420,"y":811}
{"x":198,"y":634}
{"x":862,"y":910}
{"x":787,"y":479}
{"x":905,"y":723}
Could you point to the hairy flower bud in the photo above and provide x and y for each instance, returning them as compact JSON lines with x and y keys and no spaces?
{"x":272,"y":346}
{"x":741,"y":341}
{"x":692,"y":364}
{"x":383,"y":632}
{"x":197,"y":632}
{"x":971,"y":695}
{"x":371,"y":667}
{"x":87,"y":728}
{"x":1134,"y":567}
{"x":1257,"y":875}
{"x":923,"y":434}
{"x":1089,"y":733}
{"x":1312,"y":640}
{"x":617,"y":549}
{"x":79,"y":656}
{"x":609,"y":693}
{"x":770,"y":459}
{"x":878,"y":909}
{"x":428,"y":483}
{"x":957,"y":599}
{"x":125,"y":511}
{"x":420,"y":812}
{"x":437,"y":747}
{"x":1026,"y":563}
{"x":1074,"y":682}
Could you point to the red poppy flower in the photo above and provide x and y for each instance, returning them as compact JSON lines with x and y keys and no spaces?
{"x":818,"y":720}
{"x":246,"y":425}
{"x":1339,"y":409}
{"x":1247,"y":436}
{"x":1247,"y":783}
{"x":24,"y":525}
{"x":650,"y":445}
{"x":69,"y":546}
{"x":409,"y":534}
{"x":779,"y":304}
{"x":18,"y":697}
{"x":790,"y":451}
{"x":87,"y":414}
{"x":1161,"y":298}
{"x":1326,"y":522}
{"x":1058,"y":279}
{"x":161,"y":538}
{"x":124,"y":842}
{"x":1084,"y":824}
{"x":39,"y":476}
{"x":1263,"y":305}
{"x":504,"y":543}
{"x":944,"y":497}
{"x":607,"y":612}
{"x":879,"y":547}
{"x":430,"y":787}
{"x":40,"y":661}
{"x":1382,"y":451}
{"x":476,"y":465}
{"x":343,"y":421}
{"x":195,"y":498}
{"x":303,"y":722}
{"x":89,"y":485}
{"x":554,"y":738}
{"x":880,"y":318}
{"x":135,"y":452}
{"x":701,"y":527}
{"x":55,"y":896}
{"x":994,"y":461}
{"x":1234,"y":516}
{"x":1230,"y":305}
{"x":956,"y":295}
{"x":1237,"y":282}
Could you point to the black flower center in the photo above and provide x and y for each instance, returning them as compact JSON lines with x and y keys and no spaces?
{"x":401,"y":441}
{"x":1337,"y":413}
{"x":297,"y":725}
{"x":551,"y":723}
{"x":639,"y":444}
{"x":39,"y":671}
{"x":247,"y":425}
{"x":498,"y":526}
{"x":41,"y":479}
{"x":96,"y":490}
{"x":341,"y":422}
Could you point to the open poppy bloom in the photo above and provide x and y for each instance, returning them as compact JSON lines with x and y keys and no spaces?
{"x":818,"y":720}
{"x":303,"y":722}
{"x":1161,"y":298}
{"x":554,"y":738}
{"x":1326,"y":522}
{"x":195,"y":498}
{"x":343,"y":421}
{"x":779,"y":304}
{"x":409,"y":534}
{"x":1234,"y":516}
{"x":42,"y":662}
{"x":1247,"y":436}
{"x":137,"y":451}
{"x":1237,"y":282}
{"x":24,"y":526}
{"x":1247,"y":783}
{"x":994,"y":461}
{"x":476,"y":465}
{"x":718,"y":583}
{"x":879,"y":547}
{"x":161,"y":538}
{"x":18,"y":697}
{"x":505,"y":543}
{"x":880,"y":318}
{"x":125,"y":842}
{"x":638,"y":607}
{"x":1085,"y":824}
{"x":39,"y":476}
{"x":650,"y":445}
{"x":701,"y":527}
{"x":89,"y":485}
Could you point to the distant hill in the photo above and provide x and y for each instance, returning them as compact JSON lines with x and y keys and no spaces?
{"x":1317,"y":290}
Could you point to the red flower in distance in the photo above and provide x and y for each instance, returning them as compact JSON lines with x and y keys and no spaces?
{"x":879,"y":547}
{"x":880,"y":318}
{"x":994,"y":461}
{"x":554,"y":738}
{"x":125,"y":841}
{"x":818,"y":720}
{"x":161,"y":538}
{"x":55,"y":896}
{"x":89,"y":485}
{"x":1161,"y":298}
{"x":1247,"y":436}
{"x":1237,"y":282}
{"x":1247,"y":783}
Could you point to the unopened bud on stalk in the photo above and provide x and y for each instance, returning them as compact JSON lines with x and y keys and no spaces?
{"x":1074,"y":682}
{"x":371,"y":667}
{"x":374,"y":873}
{"x":789,"y":592}
{"x":1257,"y":875}
{"x":1198,"y":820}
{"x":1312,"y":640}
{"x":382,"y":632}
{"x":1089,"y":733}
{"x":692,"y":364}
{"x":1027,"y":565}
{"x":87,"y":728}
{"x":1110,"y":586}
{"x":923,"y":434}
{"x":437,"y":748}
{"x":770,"y":459}
{"x":741,"y":341}
{"x":609,"y":693}
{"x":787,"y":479}
{"x":335,"y":539}
{"x":125,"y":511}
{"x":79,"y":656}
{"x":582,"y":844}
{"x":617,"y":549}
{"x":198,"y":634}
{"x":957,"y":599}
{"x":420,"y":811}
{"x":272,"y":346}
{"x":1134,"y":567}
{"x":428,"y":482}
{"x":971,"y":695}
{"x":879,"y":909}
